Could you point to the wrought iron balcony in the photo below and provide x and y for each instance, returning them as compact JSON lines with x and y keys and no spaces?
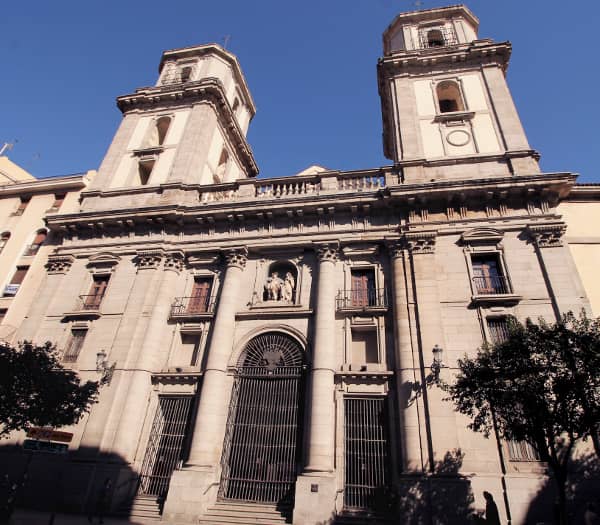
{"x":194,"y":306}
{"x":89,"y":302}
{"x":32,"y":249}
{"x":491,"y":285}
{"x":361,"y":299}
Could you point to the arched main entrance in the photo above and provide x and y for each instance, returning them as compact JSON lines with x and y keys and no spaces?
{"x":261,"y":442}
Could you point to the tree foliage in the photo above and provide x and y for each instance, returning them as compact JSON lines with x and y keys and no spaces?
{"x":35,"y":389}
{"x":541,"y":385}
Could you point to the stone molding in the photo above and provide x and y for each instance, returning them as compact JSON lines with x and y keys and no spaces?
{"x":548,"y":235}
{"x":396,"y":247}
{"x":148,"y":260}
{"x":236,"y":257}
{"x":59,"y":263}
{"x":421,"y":242}
{"x":327,"y":253}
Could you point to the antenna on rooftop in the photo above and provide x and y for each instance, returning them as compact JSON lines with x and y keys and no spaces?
{"x":418,"y":3}
{"x":7,"y":147}
{"x":226,"y":40}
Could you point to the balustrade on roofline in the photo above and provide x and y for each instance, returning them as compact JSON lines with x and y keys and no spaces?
{"x":297,"y":186}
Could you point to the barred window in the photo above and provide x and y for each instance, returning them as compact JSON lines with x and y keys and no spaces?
{"x":74,"y":345}
{"x":522,"y":451}
{"x":498,"y":329}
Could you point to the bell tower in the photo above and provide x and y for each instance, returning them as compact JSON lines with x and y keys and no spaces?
{"x":447,"y":110}
{"x":189,"y":128}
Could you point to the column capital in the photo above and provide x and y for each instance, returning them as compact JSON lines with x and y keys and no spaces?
{"x":148,"y":259}
{"x":327,"y":252}
{"x":547,"y":235}
{"x":396,"y":247}
{"x":421,"y":242}
{"x":59,"y":263}
{"x":174,"y":261}
{"x":236,"y":257}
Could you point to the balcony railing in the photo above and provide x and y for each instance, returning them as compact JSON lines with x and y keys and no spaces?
{"x":190,"y":306}
{"x":361,"y":299}
{"x":32,"y":249}
{"x":491,"y":285}
{"x":10,"y":290}
{"x":89,"y":302}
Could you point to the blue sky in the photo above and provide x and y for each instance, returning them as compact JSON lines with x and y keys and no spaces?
{"x":310,"y":65}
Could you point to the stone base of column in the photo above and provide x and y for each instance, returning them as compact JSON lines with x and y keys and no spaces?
{"x":190,"y":494}
{"x":315,"y":499}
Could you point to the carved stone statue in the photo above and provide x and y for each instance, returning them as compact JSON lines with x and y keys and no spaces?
{"x":287,"y":291}
{"x":273,"y":286}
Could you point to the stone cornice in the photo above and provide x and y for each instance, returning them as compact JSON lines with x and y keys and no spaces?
{"x":549,"y":188}
{"x":548,"y":235}
{"x":210,"y":90}
{"x":49,"y":185}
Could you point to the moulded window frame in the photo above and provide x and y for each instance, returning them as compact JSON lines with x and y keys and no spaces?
{"x":28,"y":247}
{"x":441,"y":25}
{"x":379,"y":283}
{"x":79,"y":327}
{"x":497,"y":253}
{"x":434,"y":89}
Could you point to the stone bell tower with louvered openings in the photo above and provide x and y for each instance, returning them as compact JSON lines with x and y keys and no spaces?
{"x":447,"y":110}
{"x":190,"y":128}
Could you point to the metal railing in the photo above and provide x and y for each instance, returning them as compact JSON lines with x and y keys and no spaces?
{"x":89,"y":302}
{"x":201,"y":304}
{"x":433,"y":37}
{"x":361,"y":298}
{"x":32,"y":249}
{"x":366,"y":453}
{"x":498,"y":329}
{"x":491,"y":285}
{"x":522,"y":451}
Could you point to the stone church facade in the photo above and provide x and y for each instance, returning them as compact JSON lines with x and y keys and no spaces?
{"x":272,"y":341}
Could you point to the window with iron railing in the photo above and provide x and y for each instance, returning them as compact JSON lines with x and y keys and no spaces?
{"x":93,"y":300}
{"x":522,"y":451}
{"x":498,"y":329}
{"x":35,"y":246}
{"x":488,"y":278}
{"x":439,"y":36}
{"x":363,"y":292}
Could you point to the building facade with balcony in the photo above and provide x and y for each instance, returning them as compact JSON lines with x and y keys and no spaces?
{"x":25,"y":241}
{"x":269,"y":339}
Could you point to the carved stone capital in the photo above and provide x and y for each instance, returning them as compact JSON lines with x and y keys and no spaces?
{"x":547,"y":235}
{"x":421,"y":242}
{"x":236,"y":257}
{"x":174,"y":261}
{"x":59,"y":263}
{"x":327,"y":252}
{"x":148,"y":260}
{"x":396,"y":248}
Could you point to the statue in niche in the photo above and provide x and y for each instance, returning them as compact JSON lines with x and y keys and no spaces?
{"x":287,"y":290}
{"x":274,"y":287}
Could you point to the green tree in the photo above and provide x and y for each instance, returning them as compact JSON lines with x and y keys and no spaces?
{"x":35,"y":389}
{"x":541,"y":385}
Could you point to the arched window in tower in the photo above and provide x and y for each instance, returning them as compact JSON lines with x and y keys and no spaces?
{"x":3,"y":240}
{"x":186,"y":73}
{"x":144,"y":171}
{"x":162,"y":127}
{"x":236,"y":105}
{"x":221,"y":167}
{"x":449,"y":97}
{"x":435,"y":38}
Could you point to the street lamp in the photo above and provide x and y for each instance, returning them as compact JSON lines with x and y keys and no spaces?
{"x":103,"y":367}
{"x":438,"y":363}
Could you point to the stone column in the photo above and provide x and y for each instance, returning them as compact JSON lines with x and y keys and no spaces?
{"x":140,"y":385}
{"x":315,"y":489}
{"x":564,"y":285}
{"x":213,"y":407}
{"x":56,"y":268}
{"x":439,"y":414}
{"x":407,"y":367}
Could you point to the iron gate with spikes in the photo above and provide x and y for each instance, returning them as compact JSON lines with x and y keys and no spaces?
{"x":165,"y":444}
{"x":259,"y":461}
{"x":366,"y":453}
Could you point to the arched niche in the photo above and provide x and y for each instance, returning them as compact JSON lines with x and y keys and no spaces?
{"x":281,"y":282}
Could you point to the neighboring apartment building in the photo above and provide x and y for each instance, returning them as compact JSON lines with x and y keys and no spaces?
{"x":264,"y":340}
{"x":24,"y":238}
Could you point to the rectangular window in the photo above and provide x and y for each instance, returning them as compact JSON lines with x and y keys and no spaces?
{"x":364,"y":347}
{"x":74,"y":345}
{"x":12,"y":288}
{"x":22,"y":206}
{"x":498,"y":329}
{"x":363,"y":291}
{"x":487,"y":274}
{"x":58,"y":200}
{"x":35,"y":246}
{"x":93,"y":300}
{"x":522,"y":451}
{"x":200,"y":297}
{"x":2,"y":314}
{"x":188,"y":352}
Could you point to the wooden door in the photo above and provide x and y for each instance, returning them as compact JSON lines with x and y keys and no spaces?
{"x":200,"y":299}
{"x":363,"y":288}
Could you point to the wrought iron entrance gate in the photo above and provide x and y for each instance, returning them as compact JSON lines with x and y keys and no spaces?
{"x":260,"y":452}
{"x":366,"y":453}
{"x":165,"y":444}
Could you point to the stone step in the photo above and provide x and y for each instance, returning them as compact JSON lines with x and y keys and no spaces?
{"x":142,"y":507}
{"x":245,"y":513}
